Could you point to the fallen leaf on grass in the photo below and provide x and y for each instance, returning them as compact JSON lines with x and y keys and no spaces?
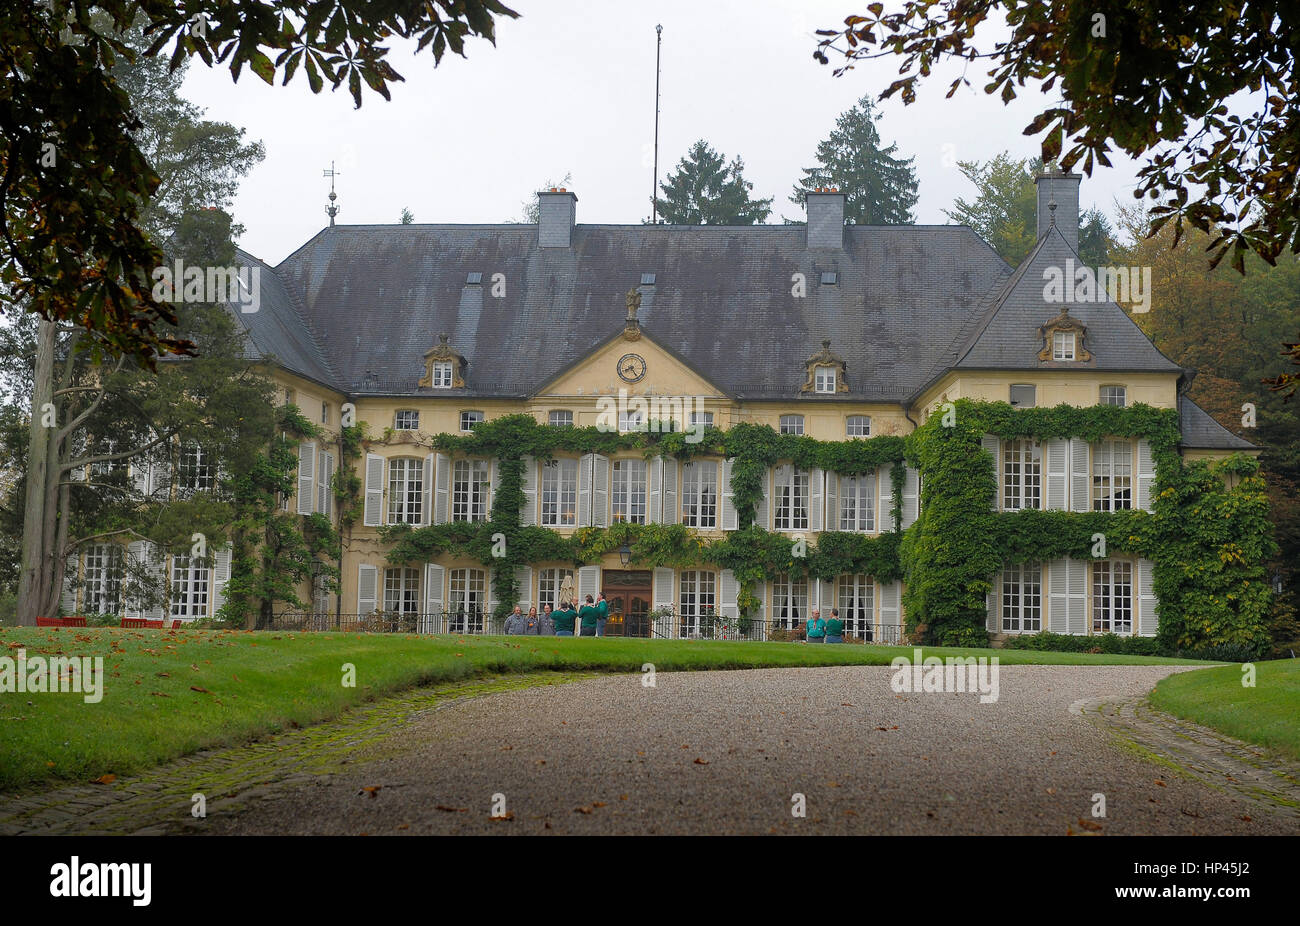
{"x":497,"y":818}
{"x":701,"y":762}
{"x":160,"y":694}
{"x":162,"y":674}
{"x":1161,"y":783}
{"x":103,"y":779}
{"x":845,"y":704}
{"x":1190,"y":813}
{"x":582,"y":810}
{"x":1090,"y":825}
{"x":403,"y":826}
{"x":1247,"y":819}
{"x":198,"y":689}
{"x":372,"y":790}
{"x":444,"y":807}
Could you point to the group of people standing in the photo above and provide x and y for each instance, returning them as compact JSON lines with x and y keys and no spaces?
{"x":587,"y":621}
{"x":825,"y":630}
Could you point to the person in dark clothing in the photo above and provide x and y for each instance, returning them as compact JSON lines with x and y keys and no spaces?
{"x":835,"y":627}
{"x":532,"y":623}
{"x":589,"y":615}
{"x":602,"y":608}
{"x":564,"y":619}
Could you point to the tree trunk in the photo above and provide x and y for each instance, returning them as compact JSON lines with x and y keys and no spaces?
{"x":34,"y":580}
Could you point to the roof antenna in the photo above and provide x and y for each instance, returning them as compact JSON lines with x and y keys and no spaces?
{"x":332,"y":209}
{"x":654,"y":186}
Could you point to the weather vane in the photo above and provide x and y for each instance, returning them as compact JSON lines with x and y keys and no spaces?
{"x":332,"y":209}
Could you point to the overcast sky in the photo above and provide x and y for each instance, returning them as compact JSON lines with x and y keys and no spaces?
{"x":569,"y":87}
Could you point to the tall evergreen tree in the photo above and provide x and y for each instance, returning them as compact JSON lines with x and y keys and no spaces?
{"x":706,"y":190}
{"x":879,"y":188}
{"x":1004,"y":211}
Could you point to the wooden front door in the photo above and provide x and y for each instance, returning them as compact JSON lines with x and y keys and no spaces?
{"x":628,"y":594}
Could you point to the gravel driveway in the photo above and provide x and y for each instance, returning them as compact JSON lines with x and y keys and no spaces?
{"x":727,"y":752}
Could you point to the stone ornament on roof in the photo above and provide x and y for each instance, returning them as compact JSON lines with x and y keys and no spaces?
{"x":825,"y":358}
{"x":1065,"y":322}
{"x":632,"y":327}
{"x":443,"y":352}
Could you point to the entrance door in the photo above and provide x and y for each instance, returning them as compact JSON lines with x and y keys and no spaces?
{"x":628,"y":594}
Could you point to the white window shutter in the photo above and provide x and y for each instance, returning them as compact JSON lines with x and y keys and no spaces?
{"x":728,"y":520}
{"x":306,"y":478}
{"x":160,"y":476}
{"x":367,"y":588}
{"x":441,"y":487}
{"x":528,"y":514}
{"x":764,"y":513}
{"x":524,"y":580}
{"x":68,"y":597}
{"x":140,"y":474}
{"x":324,"y":493}
{"x":728,"y":593}
{"x":885,"y":500}
{"x":430,"y":494}
{"x":599,"y":490}
{"x":1146,"y":475}
{"x":1077,"y":589}
{"x":374,"y":507}
{"x":158,"y":574}
{"x":662,"y":596}
{"x":760,"y":592}
{"x":1057,"y":457}
{"x":1079,"y":478}
{"x":588,"y":584}
{"x":1058,"y":597}
{"x":135,"y":553}
{"x":654,"y":490}
{"x":220,"y":576}
{"x":991,"y":612}
{"x":494,"y":480}
{"x":911,"y":497}
{"x":491,"y":592}
{"x":991,"y":445}
{"x":433,"y":583}
{"x":816,"y":497}
{"x":584,"y":489}
{"x":1148,"y":620}
{"x":889,"y":604}
{"x":670,"y":491}
{"x":832,"y":522}
{"x":825,"y":596}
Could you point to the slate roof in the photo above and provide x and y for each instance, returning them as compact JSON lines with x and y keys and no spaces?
{"x":1202,"y":432}
{"x":357,"y":306}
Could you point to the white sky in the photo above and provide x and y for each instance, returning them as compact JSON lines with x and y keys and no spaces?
{"x":570,"y":87}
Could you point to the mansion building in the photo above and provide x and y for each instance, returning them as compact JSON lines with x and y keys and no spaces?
{"x":840,"y":332}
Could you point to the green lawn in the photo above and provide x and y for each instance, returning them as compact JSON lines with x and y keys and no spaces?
{"x":256,"y":683}
{"x":1267,"y":714}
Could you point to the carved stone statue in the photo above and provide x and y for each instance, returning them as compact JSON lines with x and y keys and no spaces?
{"x":633,"y":303}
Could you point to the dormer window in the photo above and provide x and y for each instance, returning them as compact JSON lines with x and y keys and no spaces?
{"x":825,"y":372}
{"x":444,"y":368}
{"x":1065,"y":340}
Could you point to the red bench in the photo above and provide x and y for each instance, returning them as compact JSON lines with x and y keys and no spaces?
{"x":134,"y":622}
{"x":60,"y":622}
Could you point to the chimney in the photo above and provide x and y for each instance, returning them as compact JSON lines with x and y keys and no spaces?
{"x":825,"y":219}
{"x":556,"y":210}
{"x":1055,"y":186}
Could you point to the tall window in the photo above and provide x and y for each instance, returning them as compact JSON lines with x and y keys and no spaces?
{"x":324,"y":413}
{"x":858,"y":426}
{"x":560,"y":493}
{"x":441,"y":376}
{"x":789,"y":600}
{"x":405,"y":491}
{"x":627,"y":492}
{"x":406,"y":420}
{"x":1112,"y":596}
{"x":1022,"y":598}
{"x":698,"y":598}
{"x":824,"y":379}
{"x":1022,"y":474}
{"x":700,"y":495}
{"x":792,"y":424}
{"x":402,"y":591}
{"x":1062,"y":345}
{"x":791,"y":499}
{"x":322,"y":595}
{"x":195,"y":471}
{"x":1112,"y":475}
{"x":701,"y":419}
{"x":548,"y":586}
{"x":189,"y":587}
{"x":857,"y":502}
{"x":560,"y":418}
{"x":467,"y":601}
{"x":857,"y":605}
{"x":1114,"y":395}
{"x":105,"y":566}
{"x":470,"y":490}
{"x":469,"y":419}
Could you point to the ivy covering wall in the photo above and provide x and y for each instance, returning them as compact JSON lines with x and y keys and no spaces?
{"x":1208,"y":541}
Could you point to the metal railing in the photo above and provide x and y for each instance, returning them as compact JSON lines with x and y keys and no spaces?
{"x":673,"y":627}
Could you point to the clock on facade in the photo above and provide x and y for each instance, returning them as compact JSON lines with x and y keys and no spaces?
{"x":631,"y":368}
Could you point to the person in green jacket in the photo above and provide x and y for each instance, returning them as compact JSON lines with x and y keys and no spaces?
{"x":564,"y":619}
{"x":835,"y":627}
{"x":589,"y":615}
{"x":816,"y":632}
{"x":602,"y":607}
